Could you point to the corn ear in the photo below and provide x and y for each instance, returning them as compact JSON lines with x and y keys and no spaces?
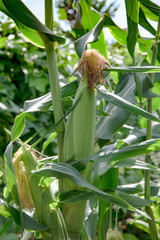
{"x":41,"y":196}
{"x":80,"y":131}
{"x":114,"y":235}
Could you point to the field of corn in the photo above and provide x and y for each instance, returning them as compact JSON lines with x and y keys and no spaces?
{"x":79,"y":122}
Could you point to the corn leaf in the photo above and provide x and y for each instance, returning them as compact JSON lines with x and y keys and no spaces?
{"x":108,"y":125}
{"x":28,"y":24}
{"x":43,"y":103}
{"x":151,"y":6}
{"x":150,"y":15}
{"x":77,"y":196}
{"x":146,"y":69}
{"x":5,"y":227}
{"x":18,"y":127}
{"x":136,"y":164}
{"x":120,"y":154}
{"x":63,"y":170}
{"x":90,"y":19}
{"x":132,"y":9}
{"x":11,"y":176}
{"x":90,"y":37}
{"x":57,"y":123}
{"x":133,"y":200}
{"x":124,"y":104}
{"x":29,"y":222}
{"x":127,"y":152}
{"x":132,"y":188}
{"x":145,"y":24}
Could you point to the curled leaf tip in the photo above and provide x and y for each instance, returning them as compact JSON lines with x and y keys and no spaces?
{"x":93,"y":63}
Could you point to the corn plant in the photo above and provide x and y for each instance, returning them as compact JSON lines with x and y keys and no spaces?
{"x":89,"y":154}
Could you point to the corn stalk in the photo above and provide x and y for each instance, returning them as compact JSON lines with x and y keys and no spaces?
{"x":151,"y":221}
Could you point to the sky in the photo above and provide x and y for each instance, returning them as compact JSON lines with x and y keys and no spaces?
{"x":37,"y":7}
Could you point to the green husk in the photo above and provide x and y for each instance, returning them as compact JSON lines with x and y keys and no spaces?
{"x":114,"y":235}
{"x":80,"y":134}
{"x":41,"y":196}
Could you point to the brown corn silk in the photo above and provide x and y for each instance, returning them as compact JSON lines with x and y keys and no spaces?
{"x":93,"y":63}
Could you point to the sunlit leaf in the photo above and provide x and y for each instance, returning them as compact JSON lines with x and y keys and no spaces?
{"x":144,"y":23}
{"x":90,"y":37}
{"x":89,"y":19}
{"x":28,"y":24}
{"x":18,"y":126}
{"x":151,"y":6}
{"x":132,"y":9}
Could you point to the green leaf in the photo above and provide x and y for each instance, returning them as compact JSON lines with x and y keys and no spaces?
{"x":133,"y":200}
{"x":135,"y":164}
{"x":128,"y":236}
{"x":90,"y":37}
{"x":130,"y":188}
{"x":5,"y":227}
{"x":146,"y":69}
{"x":122,"y":153}
{"x":137,"y":135}
{"x":56,"y":124}
{"x":89,"y":18}
{"x":107,"y":126}
{"x":18,"y":127}
{"x":29,"y":222}
{"x":110,"y":178}
{"x":142,"y":225}
{"x":127,"y":152}
{"x":11,"y":176}
{"x":145,"y":24}
{"x":148,"y":13}
{"x":124,"y":104}
{"x":4,"y":210}
{"x":49,"y":140}
{"x":63,"y":170}
{"x":151,"y":6}
{"x":75,"y":196}
{"x":3,"y":42}
{"x":43,"y":103}
{"x":28,"y":24}
{"x":132,"y":9}
{"x":119,"y":34}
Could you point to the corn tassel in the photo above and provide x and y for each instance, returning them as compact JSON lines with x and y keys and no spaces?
{"x":41,"y":197}
{"x":80,"y":133}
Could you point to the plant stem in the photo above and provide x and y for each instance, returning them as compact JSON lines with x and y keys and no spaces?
{"x":53,"y":78}
{"x":110,"y":216}
{"x":152,"y":224}
{"x":116,"y":219}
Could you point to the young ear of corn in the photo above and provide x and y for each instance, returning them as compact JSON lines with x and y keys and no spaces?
{"x":40,"y":197}
{"x":80,"y":134}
